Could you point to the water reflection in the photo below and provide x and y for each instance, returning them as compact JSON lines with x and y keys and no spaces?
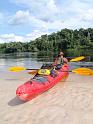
{"x":36,"y":59}
{"x":88,"y":53}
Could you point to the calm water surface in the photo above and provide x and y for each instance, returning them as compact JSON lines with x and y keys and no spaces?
{"x":35,"y":60}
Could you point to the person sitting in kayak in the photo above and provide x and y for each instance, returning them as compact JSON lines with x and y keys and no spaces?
{"x":60,"y":60}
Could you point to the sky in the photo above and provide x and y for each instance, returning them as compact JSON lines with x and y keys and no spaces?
{"x":25,"y":20}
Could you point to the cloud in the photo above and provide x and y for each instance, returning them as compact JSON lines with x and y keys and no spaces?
{"x":20,"y":17}
{"x":35,"y":34}
{"x":12,"y":37}
{"x":54,"y":15}
{"x":78,"y":14}
{"x":46,"y":10}
{"x":25,"y":18}
{"x":49,"y":12}
{"x":87,"y":15}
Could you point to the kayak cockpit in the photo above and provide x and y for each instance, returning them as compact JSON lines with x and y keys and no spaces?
{"x":40,"y":79}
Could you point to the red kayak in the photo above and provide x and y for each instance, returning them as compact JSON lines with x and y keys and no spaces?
{"x":40,"y":84}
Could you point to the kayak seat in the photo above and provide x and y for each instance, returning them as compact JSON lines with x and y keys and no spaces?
{"x":47,"y":66}
{"x":40,"y":79}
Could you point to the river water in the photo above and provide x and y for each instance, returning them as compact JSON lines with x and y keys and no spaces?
{"x":35,"y":60}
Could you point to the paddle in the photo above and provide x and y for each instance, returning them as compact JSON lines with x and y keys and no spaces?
{"x":81,"y":71}
{"x":77,"y":59}
{"x":33,"y":72}
{"x":18,"y":69}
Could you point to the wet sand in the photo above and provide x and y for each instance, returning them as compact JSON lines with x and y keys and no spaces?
{"x":69,"y":102}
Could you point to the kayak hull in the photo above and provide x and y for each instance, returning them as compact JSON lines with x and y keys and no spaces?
{"x":33,"y":88}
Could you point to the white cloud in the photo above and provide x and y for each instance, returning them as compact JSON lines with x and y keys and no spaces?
{"x":52,"y":14}
{"x":54,"y":10}
{"x":46,"y":10}
{"x":35,"y":34}
{"x":25,"y":18}
{"x":78,"y":14}
{"x":56,"y":25}
{"x":12,"y":37}
{"x":20,"y":17}
{"x":87,"y":15}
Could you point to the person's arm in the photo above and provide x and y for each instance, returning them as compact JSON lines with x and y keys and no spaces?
{"x":65,"y":60}
{"x":55,"y":62}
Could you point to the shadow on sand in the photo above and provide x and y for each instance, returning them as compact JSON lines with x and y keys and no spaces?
{"x":15,"y":101}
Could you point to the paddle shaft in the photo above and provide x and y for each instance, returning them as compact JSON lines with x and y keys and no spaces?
{"x":31,"y":69}
{"x":39,"y":69}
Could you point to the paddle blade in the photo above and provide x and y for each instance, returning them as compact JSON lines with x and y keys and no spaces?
{"x":77,"y":59}
{"x":17,"y":69}
{"x":83,"y":71}
{"x":33,"y":72}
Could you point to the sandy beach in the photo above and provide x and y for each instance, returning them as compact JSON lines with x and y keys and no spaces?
{"x":69,"y":102}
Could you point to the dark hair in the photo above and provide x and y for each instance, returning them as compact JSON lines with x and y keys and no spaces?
{"x":61,"y":53}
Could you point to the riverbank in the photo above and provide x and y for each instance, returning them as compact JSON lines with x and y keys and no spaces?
{"x":66,"y":103}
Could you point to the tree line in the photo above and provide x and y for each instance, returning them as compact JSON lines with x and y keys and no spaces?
{"x":64,"y":39}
